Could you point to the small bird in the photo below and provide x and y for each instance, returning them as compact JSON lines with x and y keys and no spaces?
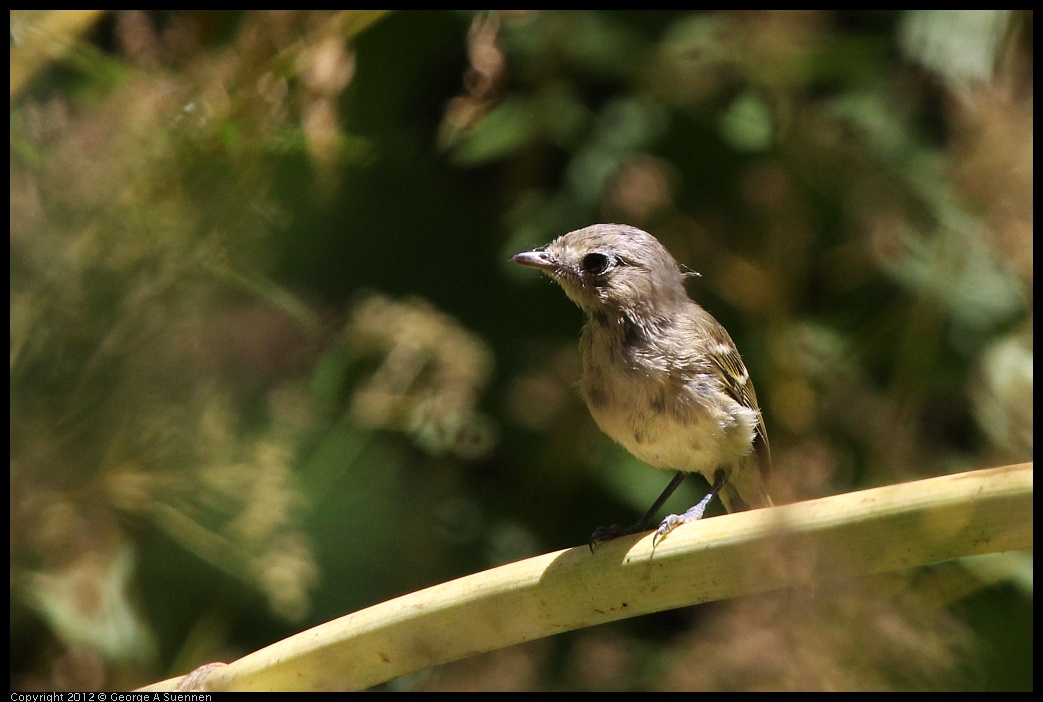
{"x":661,"y":376}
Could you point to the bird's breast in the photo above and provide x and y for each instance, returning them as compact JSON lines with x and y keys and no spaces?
{"x":668,"y":416}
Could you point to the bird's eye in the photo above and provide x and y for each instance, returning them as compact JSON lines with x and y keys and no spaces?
{"x":595,"y":263}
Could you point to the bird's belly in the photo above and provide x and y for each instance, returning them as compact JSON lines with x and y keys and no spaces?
{"x":673,"y":429}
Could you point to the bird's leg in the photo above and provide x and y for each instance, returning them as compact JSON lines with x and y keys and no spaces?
{"x":696,"y":512}
{"x":615,"y":531}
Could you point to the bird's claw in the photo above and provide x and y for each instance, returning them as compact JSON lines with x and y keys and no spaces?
{"x":602,"y":534}
{"x":673,"y":521}
{"x":666,"y":526}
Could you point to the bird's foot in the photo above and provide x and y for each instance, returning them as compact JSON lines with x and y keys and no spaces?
{"x":602,"y":534}
{"x":673,"y":521}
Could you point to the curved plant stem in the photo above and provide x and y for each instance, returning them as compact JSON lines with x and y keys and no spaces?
{"x":852,"y":535}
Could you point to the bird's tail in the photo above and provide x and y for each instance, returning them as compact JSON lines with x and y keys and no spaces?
{"x":745,"y":488}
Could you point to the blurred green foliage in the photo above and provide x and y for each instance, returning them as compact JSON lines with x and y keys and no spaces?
{"x":269,"y":363}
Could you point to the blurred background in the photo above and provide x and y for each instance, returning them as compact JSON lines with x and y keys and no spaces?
{"x":270,"y":364}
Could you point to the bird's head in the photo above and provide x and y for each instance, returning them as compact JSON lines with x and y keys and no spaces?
{"x":611,"y":268}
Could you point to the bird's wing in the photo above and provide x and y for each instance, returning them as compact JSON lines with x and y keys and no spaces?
{"x":727,"y":365}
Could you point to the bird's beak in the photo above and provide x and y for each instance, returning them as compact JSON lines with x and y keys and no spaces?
{"x":535,"y":259}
